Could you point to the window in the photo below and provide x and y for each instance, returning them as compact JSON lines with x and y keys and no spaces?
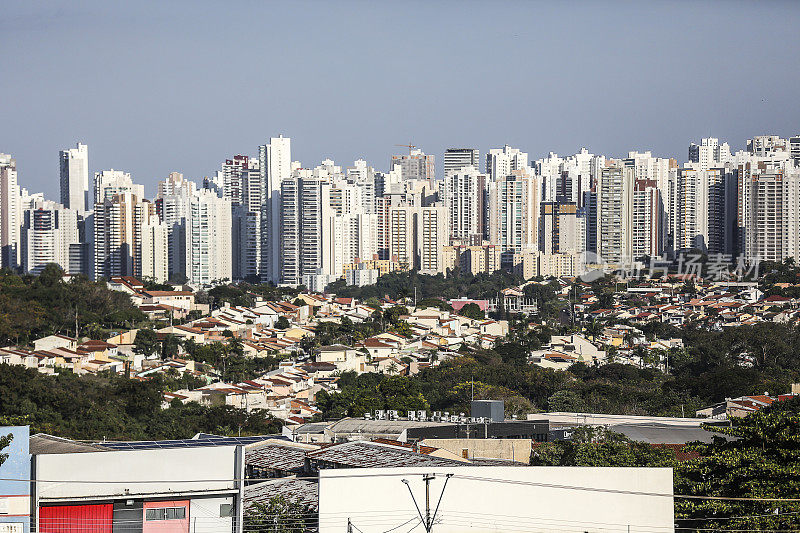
{"x":166,"y":513}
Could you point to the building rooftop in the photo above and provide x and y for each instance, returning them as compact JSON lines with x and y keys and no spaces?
{"x":44,"y":444}
{"x":365,"y":454}
{"x":291,"y":489}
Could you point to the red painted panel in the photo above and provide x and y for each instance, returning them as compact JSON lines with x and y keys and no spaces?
{"x":166,"y":526}
{"x":76,"y":518}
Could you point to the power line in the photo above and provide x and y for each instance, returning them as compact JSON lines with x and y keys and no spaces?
{"x":387,"y":474}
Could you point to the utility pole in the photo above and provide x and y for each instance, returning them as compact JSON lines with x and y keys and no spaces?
{"x":427,"y":479}
{"x":428,"y":520}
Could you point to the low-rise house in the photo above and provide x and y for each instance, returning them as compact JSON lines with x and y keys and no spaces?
{"x":55,"y":341}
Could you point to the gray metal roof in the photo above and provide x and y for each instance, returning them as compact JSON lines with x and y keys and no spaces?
{"x":364,"y":454}
{"x":276,"y":456}
{"x":377,"y":427}
{"x":291,"y":489}
{"x":664,"y":433}
{"x":43,"y":444}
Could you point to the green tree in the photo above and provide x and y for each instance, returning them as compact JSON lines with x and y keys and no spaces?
{"x":146,"y":342}
{"x":472,"y":310}
{"x":598,"y":446}
{"x":283,"y":323}
{"x":760,"y":463}
{"x":278,"y":515}
{"x":4,"y":442}
{"x":566,"y":401}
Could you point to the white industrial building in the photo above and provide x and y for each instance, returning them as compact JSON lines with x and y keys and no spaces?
{"x":494,"y":499}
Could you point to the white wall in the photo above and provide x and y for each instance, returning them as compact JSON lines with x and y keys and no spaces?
{"x":377,"y":500}
{"x":165,"y":471}
{"x":204,"y":515}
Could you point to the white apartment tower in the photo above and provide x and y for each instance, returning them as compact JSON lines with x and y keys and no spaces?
{"x":500,"y":162}
{"x":514,"y":211}
{"x":74,"y":168}
{"x":275,"y":165}
{"x":615,"y":214}
{"x":305,"y":240}
{"x":648,"y":229}
{"x":110,"y":183}
{"x":208,"y":239}
{"x":150,"y":244}
{"x":465,"y":200}
{"x":48,"y":230}
{"x":10,"y":212}
{"x":175,"y":183}
{"x":457,"y":158}
{"x":432,"y":237}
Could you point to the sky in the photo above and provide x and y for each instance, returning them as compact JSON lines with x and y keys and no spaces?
{"x":154,"y":87}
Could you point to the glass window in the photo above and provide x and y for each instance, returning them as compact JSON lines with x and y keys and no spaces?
{"x":166,"y":513}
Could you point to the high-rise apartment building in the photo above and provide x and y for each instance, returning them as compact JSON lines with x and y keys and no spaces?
{"x":175,"y":183}
{"x":559,"y":228}
{"x":794,"y":149}
{"x":47,"y":233}
{"x":465,"y":200}
{"x":10,"y":212}
{"x":416,"y":165}
{"x":174,"y":205}
{"x":703,"y":210}
{"x":501,"y":162}
{"x":566,"y":179}
{"x":457,"y":158}
{"x":615,"y":214}
{"x":275,"y":165}
{"x":709,"y":153}
{"x":150,"y":244}
{"x":306,"y":227}
{"x":114,"y":236}
{"x":767,"y":145}
{"x":208,"y":239}
{"x":74,"y":169}
{"x":432,"y":237}
{"x":649,"y":220}
{"x":110,"y":183}
{"x":514,"y":211}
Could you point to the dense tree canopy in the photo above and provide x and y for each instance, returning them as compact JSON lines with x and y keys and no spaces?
{"x":763,"y":461}
{"x":401,"y":284}
{"x":35,"y":306}
{"x":112,"y":407}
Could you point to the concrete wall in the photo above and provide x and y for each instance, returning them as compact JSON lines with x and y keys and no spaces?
{"x":204,"y":515}
{"x":561,"y":499}
{"x":132,"y":472}
{"x":509,"y":449}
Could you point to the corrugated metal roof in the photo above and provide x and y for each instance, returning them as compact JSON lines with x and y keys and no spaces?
{"x":291,"y":489}
{"x":43,"y":444}
{"x":276,"y":457}
{"x":664,"y":433}
{"x":363,"y":454}
{"x":377,"y":427}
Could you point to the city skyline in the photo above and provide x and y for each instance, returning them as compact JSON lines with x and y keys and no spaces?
{"x":177,"y":89}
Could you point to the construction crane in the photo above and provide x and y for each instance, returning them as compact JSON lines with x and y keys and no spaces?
{"x":409,"y":146}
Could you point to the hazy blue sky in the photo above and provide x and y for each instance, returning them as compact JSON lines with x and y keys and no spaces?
{"x":159,"y":86}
